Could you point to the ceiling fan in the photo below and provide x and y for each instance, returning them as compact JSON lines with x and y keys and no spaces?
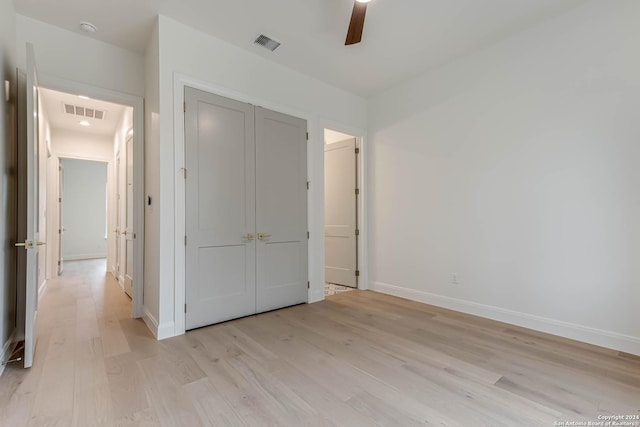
{"x":354,"y":34}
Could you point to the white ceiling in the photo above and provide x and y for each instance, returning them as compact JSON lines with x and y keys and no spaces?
{"x":52,"y":103}
{"x":402,"y":38}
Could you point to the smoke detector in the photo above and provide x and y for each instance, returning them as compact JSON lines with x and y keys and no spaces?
{"x":88,"y":27}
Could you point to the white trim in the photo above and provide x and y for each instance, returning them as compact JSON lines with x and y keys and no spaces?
{"x":42,"y":289}
{"x":81,"y":257}
{"x":8,"y":348}
{"x":137,"y":103}
{"x":150,"y":321}
{"x":160,"y":332}
{"x":612,"y":340}
{"x":75,"y":156}
{"x":316,"y":137}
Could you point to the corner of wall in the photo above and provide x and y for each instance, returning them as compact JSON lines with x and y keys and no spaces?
{"x":160,"y":331}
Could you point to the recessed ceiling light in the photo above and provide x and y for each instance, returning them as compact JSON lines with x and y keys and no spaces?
{"x":83,"y":97}
{"x":88,"y":27}
{"x":85,"y":123}
{"x":363,"y":1}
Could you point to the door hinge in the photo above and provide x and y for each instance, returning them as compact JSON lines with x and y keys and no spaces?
{"x":308,"y":182}
{"x":357,"y":191}
{"x":60,"y":168}
{"x":307,"y":234}
{"x":185,"y":240}
{"x":58,"y":262}
{"x":185,"y":308}
{"x":184,"y":106}
{"x":357,"y":150}
{"x":59,"y":199}
{"x":59,"y":231}
{"x":184,"y":172}
{"x":134,"y":235}
{"x":357,"y":273}
{"x":308,"y":285}
{"x":307,"y":136}
{"x":357,"y":232}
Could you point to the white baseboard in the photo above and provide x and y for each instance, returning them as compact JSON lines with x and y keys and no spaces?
{"x":81,"y":257}
{"x":612,"y":340}
{"x":42,"y":289}
{"x":8,"y":348}
{"x":160,"y":331}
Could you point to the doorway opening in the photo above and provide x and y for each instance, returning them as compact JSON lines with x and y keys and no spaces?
{"x":341,"y":201}
{"x":88,"y":186}
{"x":83,"y":210}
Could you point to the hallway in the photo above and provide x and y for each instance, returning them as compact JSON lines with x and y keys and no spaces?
{"x":84,"y":322}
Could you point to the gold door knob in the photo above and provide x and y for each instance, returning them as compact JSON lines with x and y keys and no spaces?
{"x":262,"y":236}
{"x":124,"y":233}
{"x":249,"y":236}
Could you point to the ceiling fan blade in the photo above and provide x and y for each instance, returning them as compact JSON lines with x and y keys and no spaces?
{"x":354,"y":35}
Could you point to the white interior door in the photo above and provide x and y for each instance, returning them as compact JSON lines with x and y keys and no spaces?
{"x":30,"y":180}
{"x":220,"y":209}
{"x":340,"y":217}
{"x":128,"y":248}
{"x":60,"y":217}
{"x":116,"y":231}
{"x":281,"y":210}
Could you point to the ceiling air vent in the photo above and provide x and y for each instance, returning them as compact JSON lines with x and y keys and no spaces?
{"x":266,"y":42}
{"x":76,"y":110}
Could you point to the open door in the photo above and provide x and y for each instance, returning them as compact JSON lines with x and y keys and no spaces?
{"x":60,"y":217}
{"x":128,"y":233}
{"x":341,"y":216}
{"x":118,"y":240}
{"x":29,"y":185}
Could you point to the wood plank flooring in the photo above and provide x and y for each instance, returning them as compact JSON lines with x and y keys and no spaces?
{"x":356,"y":359}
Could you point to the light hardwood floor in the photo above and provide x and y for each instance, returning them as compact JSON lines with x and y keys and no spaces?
{"x":356,"y":359}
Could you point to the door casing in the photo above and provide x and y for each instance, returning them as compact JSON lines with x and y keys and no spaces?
{"x":137,"y":103}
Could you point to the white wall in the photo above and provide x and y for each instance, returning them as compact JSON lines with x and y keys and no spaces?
{"x":516,"y":168}
{"x":71,"y":56}
{"x":152,"y":263}
{"x":8,"y":183}
{"x":246,"y":77}
{"x":332,"y":136}
{"x":84,"y":207}
{"x":78,"y":144}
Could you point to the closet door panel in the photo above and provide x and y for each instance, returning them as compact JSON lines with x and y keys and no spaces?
{"x":281,"y":210}
{"x":220,"y":209}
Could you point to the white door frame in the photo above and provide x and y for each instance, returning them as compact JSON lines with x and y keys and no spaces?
{"x":360,"y":135}
{"x":315,"y":195}
{"x":137,"y":103}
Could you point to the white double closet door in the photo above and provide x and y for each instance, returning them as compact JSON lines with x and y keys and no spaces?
{"x":246,"y":209}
